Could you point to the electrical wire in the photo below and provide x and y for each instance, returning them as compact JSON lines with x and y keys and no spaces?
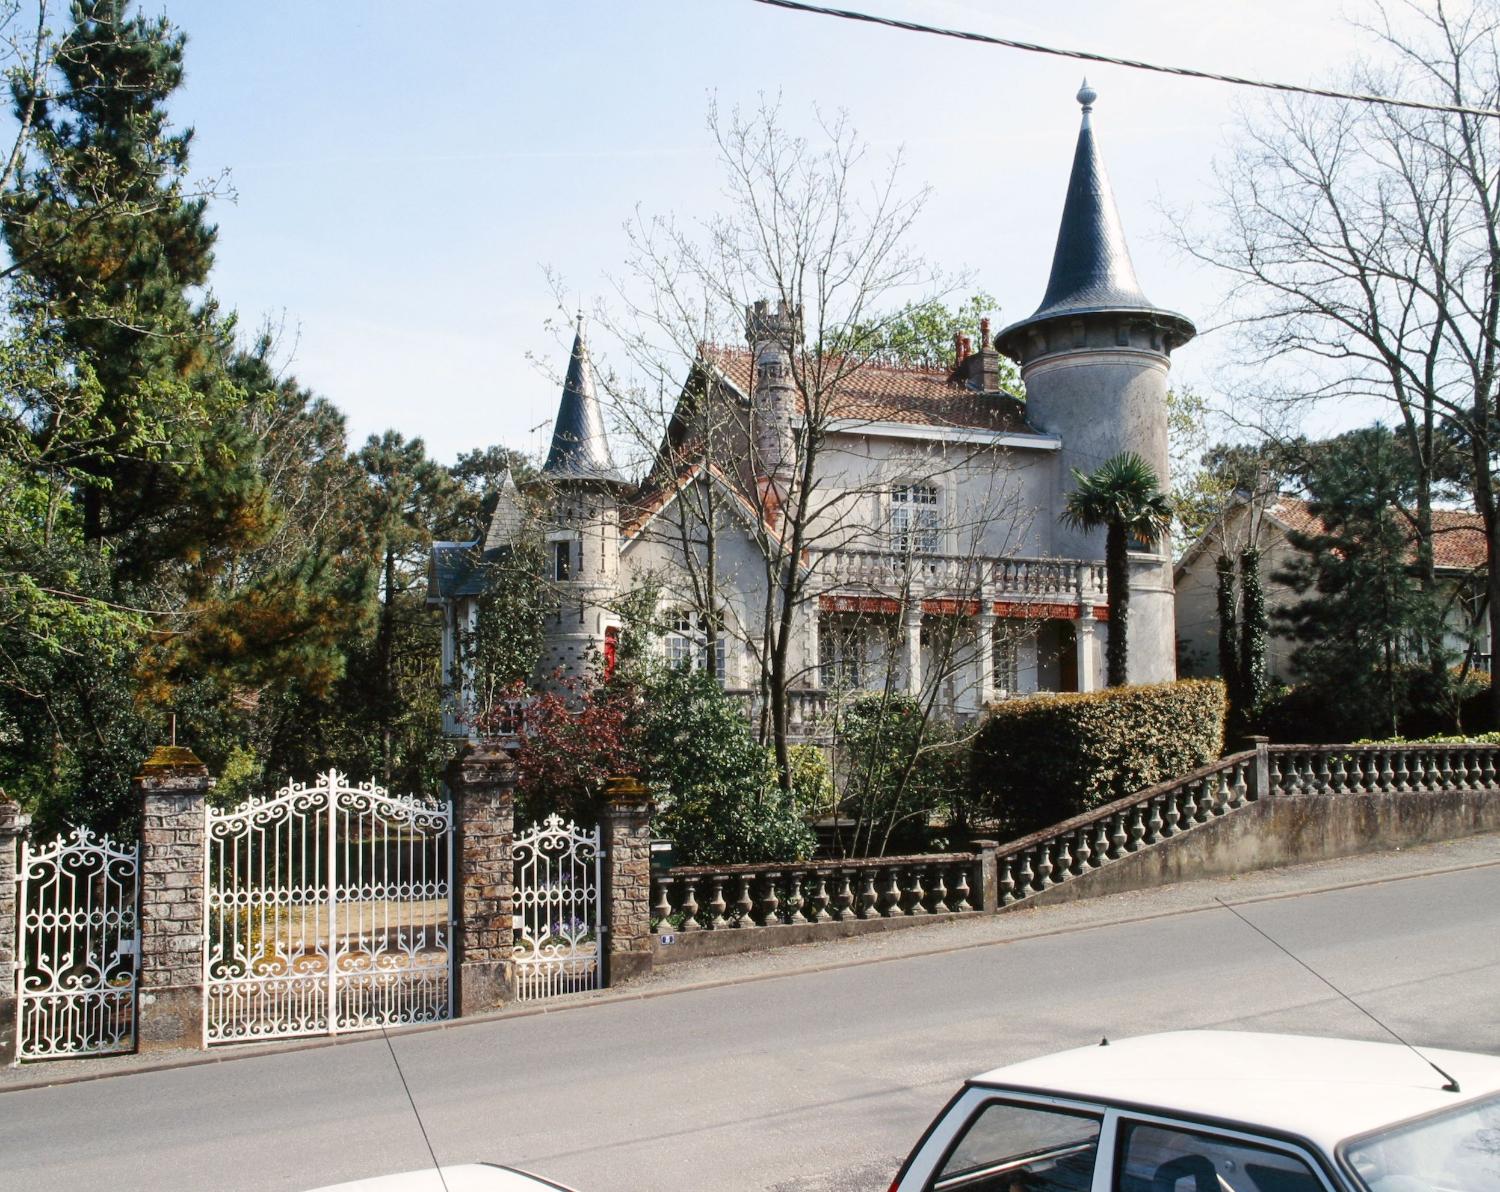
{"x":1185,"y":72}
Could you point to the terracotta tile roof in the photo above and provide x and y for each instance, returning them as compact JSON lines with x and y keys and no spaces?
{"x":1457,"y":536}
{"x":891,"y":393}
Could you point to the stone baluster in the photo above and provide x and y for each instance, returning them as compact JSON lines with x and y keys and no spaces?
{"x":1025,"y":877}
{"x":1119,"y":837}
{"x":769,"y":913}
{"x":661,"y":906}
{"x":890,"y":897}
{"x":1387,"y":774}
{"x":794,"y":899}
{"x":820,"y":899}
{"x":1154,"y":823}
{"x":1137,"y":828}
{"x":1044,"y":867}
{"x":689,"y":905}
{"x":869,"y":900}
{"x":1487,"y":768}
{"x":843,"y":898}
{"x":744,"y":904}
{"x":1189,"y":809}
{"x":916,"y":896}
{"x":1099,"y":854}
{"x":1007,"y":881}
{"x":937,"y":892}
{"x":1338,"y":778}
{"x":718,"y":905}
{"x":1062,"y":868}
{"x":1403,"y":778}
{"x":1082,"y":850}
{"x":961,"y":901}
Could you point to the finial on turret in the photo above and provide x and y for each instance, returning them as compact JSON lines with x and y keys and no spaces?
{"x":1086,"y":96}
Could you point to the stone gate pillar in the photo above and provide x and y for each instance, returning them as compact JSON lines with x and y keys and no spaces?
{"x":626,"y":840}
{"x":483,"y":782}
{"x":13,"y":825}
{"x":171,"y":786}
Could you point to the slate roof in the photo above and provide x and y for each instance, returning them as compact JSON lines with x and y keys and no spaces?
{"x":580,"y":448}
{"x":1457,"y":535}
{"x":894,"y":393}
{"x":457,"y":569}
{"x":1091,"y":268}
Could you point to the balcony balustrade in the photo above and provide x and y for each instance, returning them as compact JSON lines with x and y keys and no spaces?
{"x":995,"y":578}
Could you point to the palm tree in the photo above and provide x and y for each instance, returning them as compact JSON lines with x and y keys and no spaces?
{"x":1124,"y":497}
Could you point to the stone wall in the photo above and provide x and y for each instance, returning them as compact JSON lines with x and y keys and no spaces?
{"x":172,"y":785}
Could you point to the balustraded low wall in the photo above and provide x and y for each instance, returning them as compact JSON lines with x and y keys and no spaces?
{"x":715,"y":910}
{"x":1269,"y":806}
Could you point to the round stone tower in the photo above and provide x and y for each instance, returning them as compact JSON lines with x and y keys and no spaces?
{"x":1094,"y":357}
{"x":581,"y":486}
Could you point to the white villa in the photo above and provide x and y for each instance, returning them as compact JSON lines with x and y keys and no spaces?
{"x":937,"y":561}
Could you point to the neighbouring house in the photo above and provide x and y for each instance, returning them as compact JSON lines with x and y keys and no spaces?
{"x":937,"y":562}
{"x":1458,"y":551}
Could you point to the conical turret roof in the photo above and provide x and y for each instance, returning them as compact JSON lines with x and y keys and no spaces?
{"x":508,"y":517}
{"x":1091,"y":268}
{"x":580,"y":448}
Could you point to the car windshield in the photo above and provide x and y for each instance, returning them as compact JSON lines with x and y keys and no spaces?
{"x":1456,"y":1151}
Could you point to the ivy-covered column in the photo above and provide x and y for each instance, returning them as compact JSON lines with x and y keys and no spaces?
{"x":13,"y":825}
{"x":483,"y":782}
{"x":626,"y":840}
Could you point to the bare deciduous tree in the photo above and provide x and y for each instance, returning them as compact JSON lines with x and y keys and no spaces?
{"x":1364,"y":246}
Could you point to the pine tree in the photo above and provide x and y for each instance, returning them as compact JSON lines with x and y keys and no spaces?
{"x":1364,"y":611}
{"x":112,"y":248}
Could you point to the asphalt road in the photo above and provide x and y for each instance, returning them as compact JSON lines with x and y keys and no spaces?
{"x":815,"y":1081}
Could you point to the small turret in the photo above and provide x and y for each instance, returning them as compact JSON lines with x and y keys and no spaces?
{"x":1094,"y":357}
{"x":773,"y":335}
{"x":583,"y":525}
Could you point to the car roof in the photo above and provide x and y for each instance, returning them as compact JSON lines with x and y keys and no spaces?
{"x":466,"y":1177}
{"x":1321,"y":1089}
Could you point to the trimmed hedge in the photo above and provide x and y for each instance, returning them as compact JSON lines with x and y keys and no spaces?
{"x":1044,"y":759}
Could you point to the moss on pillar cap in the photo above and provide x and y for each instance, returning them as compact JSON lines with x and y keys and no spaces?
{"x":626,"y":788}
{"x":172,"y":760}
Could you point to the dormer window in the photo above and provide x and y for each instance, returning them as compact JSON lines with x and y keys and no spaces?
{"x":914,"y":519}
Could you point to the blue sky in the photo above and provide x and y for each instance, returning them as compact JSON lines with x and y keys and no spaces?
{"x":406,"y":172}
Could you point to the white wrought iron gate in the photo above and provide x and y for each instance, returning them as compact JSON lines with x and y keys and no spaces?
{"x":557,"y":939}
{"x":76,"y":976}
{"x":328,"y":911}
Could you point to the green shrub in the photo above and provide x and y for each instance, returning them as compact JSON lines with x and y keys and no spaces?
{"x":716,"y":792}
{"x":1313,"y":712}
{"x":899,"y":767}
{"x":1046,"y":758}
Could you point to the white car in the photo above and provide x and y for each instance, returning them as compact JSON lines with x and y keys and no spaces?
{"x":1220,"y":1111}
{"x":466,"y":1177}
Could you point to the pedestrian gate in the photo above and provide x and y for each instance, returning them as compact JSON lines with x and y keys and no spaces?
{"x":557,"y":938}
{"x":328,"y":911}
{"x":76,"y":977}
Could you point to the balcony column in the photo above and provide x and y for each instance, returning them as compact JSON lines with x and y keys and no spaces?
{"x":1088,"y":650}
{"x":813,"y":676}
{"x":912,"y":622}
{"x":1027,"y":661}
{"x":985,"y":645}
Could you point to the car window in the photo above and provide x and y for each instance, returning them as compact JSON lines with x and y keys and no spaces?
{"x":1157,"y":1158}
{"x":1022,"y":1148}
{"x":1459,"y":1149}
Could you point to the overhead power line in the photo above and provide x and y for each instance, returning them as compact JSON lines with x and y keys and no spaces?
{"x":1032,"y":47}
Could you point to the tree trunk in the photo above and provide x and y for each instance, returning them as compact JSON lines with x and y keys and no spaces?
{"x":1117,"y":580}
